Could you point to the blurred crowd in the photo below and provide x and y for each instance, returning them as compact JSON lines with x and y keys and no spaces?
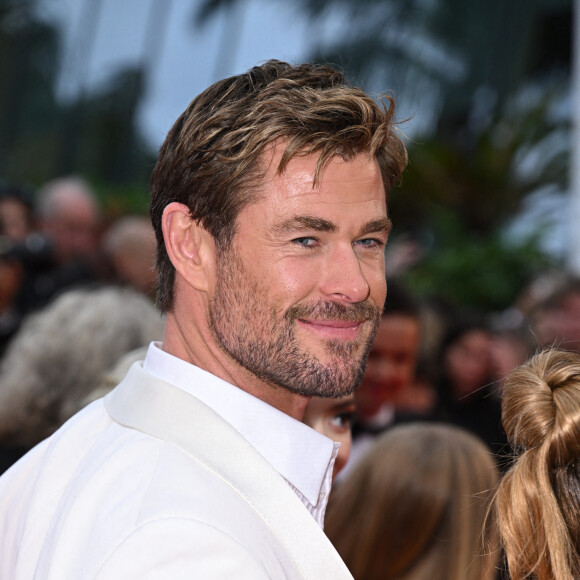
{"x":77,"y":308}
{"x":76,"y":293}
{"x":420,"y":496}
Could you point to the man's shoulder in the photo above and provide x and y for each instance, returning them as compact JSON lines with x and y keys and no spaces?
{"x":97,"y":460}
{"x":103,"y":489}
{"x":121,"y":476}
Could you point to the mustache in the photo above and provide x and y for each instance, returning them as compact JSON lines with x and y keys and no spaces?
{"x":329,"y":310}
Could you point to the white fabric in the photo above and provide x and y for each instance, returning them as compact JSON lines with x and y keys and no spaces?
{"x":304,"y":457}
{"x":152,"y":484}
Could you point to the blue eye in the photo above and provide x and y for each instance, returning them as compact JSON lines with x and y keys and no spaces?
{"x":306,"y":242}
{"x":370,"y":243}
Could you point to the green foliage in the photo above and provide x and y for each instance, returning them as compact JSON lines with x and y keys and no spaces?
{"x":486,"y":272}
{"x":485,"y":178}
{"x":40,"y":137}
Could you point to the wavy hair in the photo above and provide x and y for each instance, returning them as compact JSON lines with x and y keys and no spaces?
{"x":538,"y":500}
{"x":212,"y":158}
{"x":61,"y":353}
{"x":414,"y":507}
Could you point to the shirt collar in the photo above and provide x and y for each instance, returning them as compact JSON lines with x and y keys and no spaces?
{"x":300,"y":454}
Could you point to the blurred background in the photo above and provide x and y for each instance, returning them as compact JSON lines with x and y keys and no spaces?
{"x":485,"y":92}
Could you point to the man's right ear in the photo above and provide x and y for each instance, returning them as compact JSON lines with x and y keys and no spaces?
{"x":189,"y":245}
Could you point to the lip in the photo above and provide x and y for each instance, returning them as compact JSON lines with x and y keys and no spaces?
{"x":332,"y":329}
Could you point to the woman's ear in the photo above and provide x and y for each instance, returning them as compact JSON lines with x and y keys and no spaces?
{"x":189,"y":245}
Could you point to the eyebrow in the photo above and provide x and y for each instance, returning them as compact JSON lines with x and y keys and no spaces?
{"x":382,"y":225}
{"x":317,"y":224}
{"x":305,"y":222}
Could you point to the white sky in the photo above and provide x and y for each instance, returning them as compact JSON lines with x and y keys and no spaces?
{"x":189,"y":59}
{"x":192,"y":58}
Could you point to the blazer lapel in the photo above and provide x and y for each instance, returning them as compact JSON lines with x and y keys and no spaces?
{"x":152,"y":406}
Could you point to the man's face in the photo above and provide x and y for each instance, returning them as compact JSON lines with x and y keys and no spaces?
{"x":73,"y":228}
{"x":391,"y":363}
{"x":299,"y":293}
{"x":14,"y":219}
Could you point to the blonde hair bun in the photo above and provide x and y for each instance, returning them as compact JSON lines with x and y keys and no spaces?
{"x":541,"y":405}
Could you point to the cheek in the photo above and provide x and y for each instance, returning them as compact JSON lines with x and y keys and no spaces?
{"x":344,"y":451}
{"x":316,"y":422}
{"x":294,"y":279}
{"x":377,"y":284}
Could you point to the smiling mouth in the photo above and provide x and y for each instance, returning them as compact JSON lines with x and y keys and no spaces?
{"x":333,"y":323}
{"x":333,"y":329}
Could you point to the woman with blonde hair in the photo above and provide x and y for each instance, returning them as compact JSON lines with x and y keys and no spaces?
{"x":414,"y":507}
{"x":537,"y":504}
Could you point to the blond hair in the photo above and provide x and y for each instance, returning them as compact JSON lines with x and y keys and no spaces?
{"x":538,"y":501}
{"x":414,"y":507}
{"x":212,"y":159}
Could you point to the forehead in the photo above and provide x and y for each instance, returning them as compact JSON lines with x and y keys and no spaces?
{"x":342,"y":182}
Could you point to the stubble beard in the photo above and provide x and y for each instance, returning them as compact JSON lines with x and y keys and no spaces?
{"x":263,"y":341}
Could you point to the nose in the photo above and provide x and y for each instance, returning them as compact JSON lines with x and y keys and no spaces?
{"x":343,"y":276}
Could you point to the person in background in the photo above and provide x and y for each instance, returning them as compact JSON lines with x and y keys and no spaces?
{"x":269,"y":204}
{"x":555,"y":320}
{"x":537,"y":504}
{"x":467,"y":393}
{"x":68,"y":215}
{"x":413,"y":508}
{"x":333,"y":418}
{"x":510,"y":347}
{"x":63,"y":252}
{"x":390,"y":368}
{"x":129,"y":248}
{"x":17,"y":253}
{"x":59,"y":356}
{"x":16,"y":214}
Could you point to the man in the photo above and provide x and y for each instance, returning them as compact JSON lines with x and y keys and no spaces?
{"x":53,"y":249}
{"x":63,"y":253}
{"x":269,"y":206}
{"x":69,"y":216}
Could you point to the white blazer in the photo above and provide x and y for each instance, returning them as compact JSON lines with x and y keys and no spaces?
{"x":150,"y":483}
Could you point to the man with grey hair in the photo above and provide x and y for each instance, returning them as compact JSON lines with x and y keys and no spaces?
{"x":63,"y":253}
{"x":61,"y":354}
{"x":69,"y":216}
{"x":269,"y":204}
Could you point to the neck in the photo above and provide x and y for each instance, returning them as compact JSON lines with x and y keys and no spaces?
{"x":189,"y":343}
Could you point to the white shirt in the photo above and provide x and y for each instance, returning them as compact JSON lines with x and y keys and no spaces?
{"x":301,"y":455}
